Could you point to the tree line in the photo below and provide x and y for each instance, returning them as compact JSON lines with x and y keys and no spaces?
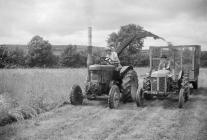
{"x":40,"y":53}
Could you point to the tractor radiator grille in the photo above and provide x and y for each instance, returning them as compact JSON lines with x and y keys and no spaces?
{"x":154,"y":84}
{"x":162,"y":84}
{"x":191,"y":75}
{"x":160,"y":81}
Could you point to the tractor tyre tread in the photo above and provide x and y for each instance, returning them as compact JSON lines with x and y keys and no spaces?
{"x":76,"y":95}
{"x":139,"y":98}
{"x":195,"y":84}
{"x":181,"y":98}
{"x":112,"y":92}
{"x":130,"y":86}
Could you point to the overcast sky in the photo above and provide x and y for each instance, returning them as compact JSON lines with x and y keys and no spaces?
{"x":67,"y":21}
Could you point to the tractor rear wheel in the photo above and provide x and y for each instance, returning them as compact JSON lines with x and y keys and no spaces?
{"x":76,"y":95}
{"x":129,"y":85}
{"x":114,"y":97}
{"x":181,"y":98}
{"x":195,"y":84}
{"x":139,"y":98}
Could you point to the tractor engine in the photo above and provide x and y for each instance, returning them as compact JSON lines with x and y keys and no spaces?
{"x":100,"y":78}
{"x":159,"y":80}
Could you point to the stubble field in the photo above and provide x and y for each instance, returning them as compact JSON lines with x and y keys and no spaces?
{"x":49,"y":88}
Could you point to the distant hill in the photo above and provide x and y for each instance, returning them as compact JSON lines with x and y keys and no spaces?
{"x":13,"y":46}
{"x":57,"y":49}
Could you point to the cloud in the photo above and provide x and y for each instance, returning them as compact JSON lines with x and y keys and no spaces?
{"x":81,"y":38}
{"x":66,"y":21}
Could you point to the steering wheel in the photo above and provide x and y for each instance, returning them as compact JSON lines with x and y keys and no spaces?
{"x":105,"y":60}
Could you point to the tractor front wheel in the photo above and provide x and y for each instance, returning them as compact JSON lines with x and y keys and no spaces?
{"x":76,"y":95}
{"x":139,"y":98}
{"x":181,"y":98}
{"x":187,"y":93}
{"x":147,"y":86}
{"x":114,"y":97}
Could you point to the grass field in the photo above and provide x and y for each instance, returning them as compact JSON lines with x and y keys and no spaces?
{"x":48,"y":88}
{"x":40,"y":89}
{"x":19,"y":83}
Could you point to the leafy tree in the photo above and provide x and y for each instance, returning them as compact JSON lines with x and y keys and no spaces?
{"x":12,"y":58}
{"x":3,"y":56}
{"x":113,"y":38}
{"x":124,"y":33}
{"x":130,"y":53}
{"x":83,"y":58}
{"x":71,"y":58}
{"x":16,"y":58}
{"x":40,"y":53}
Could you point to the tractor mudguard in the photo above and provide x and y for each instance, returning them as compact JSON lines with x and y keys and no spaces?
{"x":124,"y":70}
{"x":180,"y":75}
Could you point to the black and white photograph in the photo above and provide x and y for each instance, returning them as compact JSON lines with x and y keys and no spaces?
{"x":103,"y":69}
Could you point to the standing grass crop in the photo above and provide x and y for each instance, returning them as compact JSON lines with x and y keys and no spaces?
{"x":39,"y":89}
{"x":24,"y":91}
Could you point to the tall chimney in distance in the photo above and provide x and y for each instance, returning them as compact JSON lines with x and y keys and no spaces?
{"x":89,"y":36}
{"x":89,"y":50}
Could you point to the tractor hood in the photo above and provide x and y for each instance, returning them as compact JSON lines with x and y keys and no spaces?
{"x":160,"y":73}
{"x":102,"y":67}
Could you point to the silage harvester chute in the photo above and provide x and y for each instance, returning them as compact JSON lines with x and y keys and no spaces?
{"x":104,"y":81}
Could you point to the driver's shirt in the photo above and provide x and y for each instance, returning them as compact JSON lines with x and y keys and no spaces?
{"x":113,"y":56}
{"x":164,"y":65}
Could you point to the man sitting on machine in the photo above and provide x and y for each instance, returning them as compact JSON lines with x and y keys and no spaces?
{"x":112,"y":57}
{"x":164,"y":63}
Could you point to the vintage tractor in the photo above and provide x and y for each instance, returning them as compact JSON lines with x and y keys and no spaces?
{"x":104,"y":81}
{"x":184,"y":70}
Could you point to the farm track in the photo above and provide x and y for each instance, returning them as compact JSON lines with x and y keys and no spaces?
{"x":157,"y":120}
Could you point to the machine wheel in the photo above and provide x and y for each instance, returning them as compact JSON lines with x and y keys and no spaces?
{"x":147,"y":84}
{"x":148,"y":96}
{"x":76,"y":95}
{"x":187,"y":93}
{"x":130,"y":85}
{"x":181,"y":98}
{"x":114,"y":97}
{"x":195,"y":84}
{"x":139,"y":98}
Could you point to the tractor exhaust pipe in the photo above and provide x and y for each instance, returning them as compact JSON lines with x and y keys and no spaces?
{"x":89,"y":51}
{"x":89,"y":36}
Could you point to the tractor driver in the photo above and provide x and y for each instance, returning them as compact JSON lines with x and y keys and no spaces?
{"x":164,"y":63}
{"x":110,"y":53}
{"x":114,"y":60}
